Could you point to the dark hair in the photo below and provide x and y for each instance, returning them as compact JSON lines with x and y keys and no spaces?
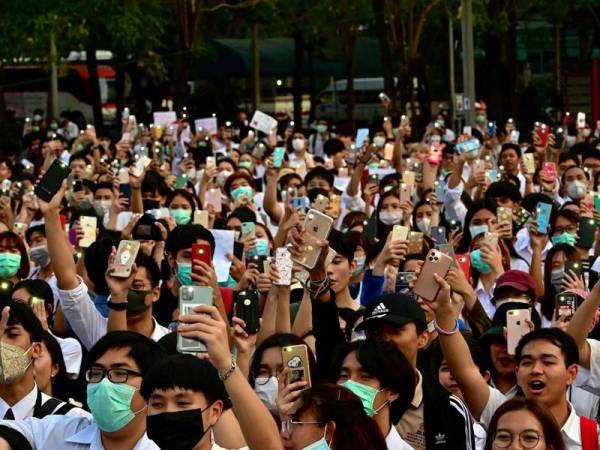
{"x":183,"y":236}
{"x":61,"y":388}
{"x":487,"y":203}
{"x":568,"y":214}
{"x":149,"y":263}
{"x":353,"y":428}
{"x":343,"y":244}
{"x":321,"y":172}
{"x":243,"y":213}
{"x":95,"y":260}
{"x":153,"y":182}
{"x":144,"y":351}
{"x":103,"y":185}
{"x":569,"y":155}
{"x":236,"y":175}
{"x":478,"y":355}
{"x":285,"y":179}
{"x":556,"y":337}
{"x":77,"y":156}
{"x":564,"y":175}
{"x":35,"y":229}
{"x":550,"y":429}
{"x":503,"y":189}
{"x":182,"y":193}
{"x":185,"y":372}
{"x":509,"y":146}
{"x":37,"y":288}
{"x":382,"y":360}
{"x":354,"y":218}
{"x":333,"y":146}
{"x":22,"y":314}
{"x":13,"y":240}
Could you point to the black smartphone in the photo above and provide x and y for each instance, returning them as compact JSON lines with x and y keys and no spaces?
{"x":438,"y":234}
{"x":566,"y":304}
{"x":77,"y":186}
{"x":259,"y":260}
{"x":125,"y":190}
{"x":247,"y":309}
{"x":574,"y":266}
{"x":52,"y":180}
{"x":238,"y":250}
{"x":587,"y":231}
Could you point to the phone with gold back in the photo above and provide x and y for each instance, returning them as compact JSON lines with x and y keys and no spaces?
{"x":295,"y":358}
{"x":435,"y":262}
{"x":317,"y":226}
{"x":125,"y":258}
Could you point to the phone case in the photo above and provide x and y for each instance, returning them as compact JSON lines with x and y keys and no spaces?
{"x":201,"y":218}
{"x":321,"y":203}
{"x":575,"y":267}
{"x":529,"y":161}
{"x":20,"y":228}
{"x":213,"y":197}
{"x":259,"y":260}
{"x":189,"y":298}
{"x":247,"y":309}
{"x":543,"y":211}
{"x":566,"y":304}
{"x":278,"y":154}
{"x":490,"y":238}
{"x":336,"y":204}
{"x":549,"y":169}
{"x":440,"y":190}
{"x":300,"y":204}
{"x":504,"y":215}
{"x":403,"y":280}
{"x":52,"y":180}
{"x":295,"y":358}
{"x":283,"y":261}
{"x":249,"y":230}
{"x":317,"y":226}
{"x":478,"y":165}
{"x":88,"y":225}
{"x":464,"y":263}
{"x":517,"y":327}
{"x":201,"y":252}
{"x":415,"y":242}
{"x":181,"y":181}
{"x":142,"y":162}
{"x":125,"y":258}
{"x":438,"y":234}
{"x":408,"y":177}
{"x":210,"y":162}
{"x":399,"y":233}
{"x":405,"y":192}
{"x":587,"y":232}
{"x":436,"y":262}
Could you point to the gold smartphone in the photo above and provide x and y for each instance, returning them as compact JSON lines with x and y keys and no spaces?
{"x":88,"y":225}
{"x":201,"y":218}
{"x":317,"y":226}
{"x":435,"y":262}
{"x":399,"y":233}
{"x":125,"y":258}
{"x":295,"y":358}
{"x":415,"y":242}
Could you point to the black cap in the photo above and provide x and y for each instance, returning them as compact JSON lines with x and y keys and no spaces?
{"x":394,"y":308}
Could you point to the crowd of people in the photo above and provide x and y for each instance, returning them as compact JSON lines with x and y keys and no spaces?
{"x":182,"y":287}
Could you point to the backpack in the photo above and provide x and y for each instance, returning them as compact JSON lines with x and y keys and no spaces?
{"x":589,"y":433}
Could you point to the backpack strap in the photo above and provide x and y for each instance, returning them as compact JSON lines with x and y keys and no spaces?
{"x":53,"y":406}
{"x":589,"y":433}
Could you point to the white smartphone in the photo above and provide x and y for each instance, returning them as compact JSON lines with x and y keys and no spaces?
{"x":189,"y":298}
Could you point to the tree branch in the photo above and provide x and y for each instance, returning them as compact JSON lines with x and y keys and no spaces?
{"x":245,"y":4}
{"x":420,"y":24}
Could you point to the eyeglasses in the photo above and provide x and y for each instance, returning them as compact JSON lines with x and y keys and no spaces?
{"x":527,"y":439}
{"x":262,"y":376}
{"x":96,"y":374}
{"x":288,"y":426}
{"x":572,"y":229}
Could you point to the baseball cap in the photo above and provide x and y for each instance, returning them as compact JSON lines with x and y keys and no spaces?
{"x":499,"y":319}
{"x":517,"y":280}
{"x":395,"y":308}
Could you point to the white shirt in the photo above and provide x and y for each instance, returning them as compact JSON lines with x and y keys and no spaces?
{"x":72,"y":354}
{"x":24,"y":407}
{"x":395,"y":442}
{"x":523,"y":247}
{"x":86,"y":321}
{"x":454,"y":208}
{"x":67,"y":433}
{"x":485,"y":298}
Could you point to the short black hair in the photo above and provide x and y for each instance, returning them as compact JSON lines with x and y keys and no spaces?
{"x":153,"y":182}
{"x":182,"y":193}
{"x":343,"y":244}
{"x":333,"y":146}
{"x":320,"y":172}
{"x":478,"y":355}
{"x":568,"y":214}
{"x":510,"y":146}
{"x":143,"y":350}
{"x":185,"y":372}
{"x":243,"y":213}
{"x":35,"y":229}
{"x":37,"y":288}
{"x":77,"y":156}
{"x":555,"y":336}
{"x":22,"y":314}
{"x":103,"y":185}
{"x":95,"y":260}
{"x":565,"y":156}
{"x":149,"y":263}
{"x":503,"y":189}
{"x":183,"y":236}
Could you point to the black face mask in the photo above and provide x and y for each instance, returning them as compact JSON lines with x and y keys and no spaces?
{"x":150,"y":204}
{"x":184,"y":429}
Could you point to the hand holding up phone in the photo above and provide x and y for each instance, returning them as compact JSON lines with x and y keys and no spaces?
{"x":118,"y":286}
{"x":204,"y":275}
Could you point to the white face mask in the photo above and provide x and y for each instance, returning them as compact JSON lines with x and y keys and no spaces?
{"x":378,"y":141}
{"x":577,"y":189}
{"x":424,"y":224}
{"x":390,"y":218}
{"x":298,"y":144}
{"x":267,"y":391}
{"x":222,"y":176}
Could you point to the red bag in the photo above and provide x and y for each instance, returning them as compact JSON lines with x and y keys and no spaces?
{"x":589,"y":433}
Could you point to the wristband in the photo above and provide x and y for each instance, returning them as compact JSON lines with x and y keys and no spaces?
{"x":117,"y":306}
{"x":225,"y":375}
{"x":446,"y":332}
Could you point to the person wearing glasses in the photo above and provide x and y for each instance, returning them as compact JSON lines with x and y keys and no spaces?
{"x":526,"y":424}
{"x":116,"y":365}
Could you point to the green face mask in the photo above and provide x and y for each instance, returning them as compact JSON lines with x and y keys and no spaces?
{"x":565,"y":238}
{"x":136,"y":302}
{"x":181,"y":216}
{"x":242,"y":191}
{"x":479,"y":119}
{"x":321,"y":128}
{"x":110,"y":404}
{"x":9,"y":264}
{"x":246,"y":164}
{"x":366,"y":394}
{"x":184,"y":273}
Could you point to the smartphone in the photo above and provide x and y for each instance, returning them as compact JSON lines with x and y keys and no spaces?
{"x":522,"y":216}
{"x":467,"y":131}
{"x":504,"y":215}
{"x":566,"y":304}
{"x":559,"y":136}
{"x":492,"y":128}
{"x":435,"y":262}
{"x":543,"y":132}
{"x":440,"y":191}
{"x":580,"y":120}
{"x":403,"y":280}
{"x":491,"y":238}
{"x":283,"y":261}
{"x":399,"y":233}
{"x":491,"y":175}
{"x":278,"y":154}
{"x":249,"y":230}
{"x":373,"y":178}
{"x":415,"y":242}
{"x":88,"y":225}
{"x":516,"y":325}
{"x":543,"y":211}
{"x":549,"y":169}
{"x":77,"y":185}
{"x":139,"y":166}
{"x":408,"y":177}
{"x":201,"y":218}
{"x":361,"y":135}
{"x":405,"y":192}
{"x":247,"y":308}
{"x":125,"y":190}
{"x":201,"y":253}
{"x":529,"y":161}
{"x":321,"y":203}
{"x":438,"y":234}
{"x":587,"y":232}
{"x":181,"y":181}
{"x":478,"y":165}
{"x":213,"y":197}
{"x":388,"y":151}
{"x":336,"y":204}
{"x":259,"y":260}
{"x":464,"y":263}
{"x":126,"y":254}
{"x":295,"y":358}
{"x":317,"y":226}
{"x":300,"y":204}
{"x":52,"y":180}
{"x":575,"y":267}
{"x":210,"y":162}
{"x":20,"y":228}
{"x":189,"y":298}
{"x":514,"y":136}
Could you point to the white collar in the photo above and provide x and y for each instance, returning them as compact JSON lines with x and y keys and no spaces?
{"x":571,"y":428}
{"x":90,"y":435}
{"x":394,"y":441}
{"x":23,"y":408}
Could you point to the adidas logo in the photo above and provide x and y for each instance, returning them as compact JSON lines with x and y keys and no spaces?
{"x":380,"y":310}
{"x":440,"y":438}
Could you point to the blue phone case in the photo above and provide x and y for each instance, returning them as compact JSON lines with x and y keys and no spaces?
{"x":543,"y":211}
{"x":278,"y":156}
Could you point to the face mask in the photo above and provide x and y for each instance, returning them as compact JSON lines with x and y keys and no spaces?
{"x":136,"y":302}
{"x":9,"y":264}
{"x":110,"y":404}
{"x":262,"y":247}
{"x":181,"y":216}
{"x":39,"y":255}
{"x":184,"y":273}
{"x":366,"y":394}
{"x":246,"y":164}
{"x":321,"y":128}
{"x":556,"y":279}
{"x":476,"y":230}
{"x":321,"y":444}
{"x":577,"y":189}
{"x":378,"y":141}
{"x":478,"y":263}
{"x":150,"y":204}
{"x":222,"y":176}
{"x":53,"y":126}
{"x":390,"y":218}
{"x":360,"y":265}
{"x":267,"y":391}
{"x":586,"y":132}
{"x":242,"y":190}
{"x":565,"y":238}
{"x":35,"y":129}
{"x":424,"y":224}
{"x":14,"y":362}
{"x":186,"y":428}
{"x":298,"y":144}
{"x":102,"y":206}
{"x":479,"y":119}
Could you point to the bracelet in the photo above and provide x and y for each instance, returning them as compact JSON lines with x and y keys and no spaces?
{"x":445,"y":332}
{"x":224,"y":376}
{"x":316,"y":288}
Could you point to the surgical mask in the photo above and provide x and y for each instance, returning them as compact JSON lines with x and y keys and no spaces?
{"x":102,"y":206}
{"x":479,"y":119}
{"x":262,"y":247}
{"x":556,"y":279}
{"x":390,"y":218}
{"x":379,"y":141}
{"x":35,"y":129}
{"x":478,"y":263}
{"x":9,"y":264}
{"x":150,"y":204}
{"x":246,"y":164}
{"x":321,"y":444}
{"x":298,"y":144}
{"x":424,"y":224}
{"x":476,"y":230}
{"x":577,"y":189}
{"x":136,"y":302}
{"x":360,"y":265}
{"x":222,"y":176}
{"x":184,"y":273}
{"x":267,"y":391}
{"x":14,"y":362}
{"x":39,"y":255}
{"x":366,"y":394}
{"x":565,"y":238}
{"x":110,"y":404}
{"x":184,"y":429}
{"x":181,"y":216}
{"x":53,"y":126}
{"x":242,"y":190}
{"x":321,"y":128}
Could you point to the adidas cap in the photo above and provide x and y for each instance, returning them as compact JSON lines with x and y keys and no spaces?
{"x":395,"y":308}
